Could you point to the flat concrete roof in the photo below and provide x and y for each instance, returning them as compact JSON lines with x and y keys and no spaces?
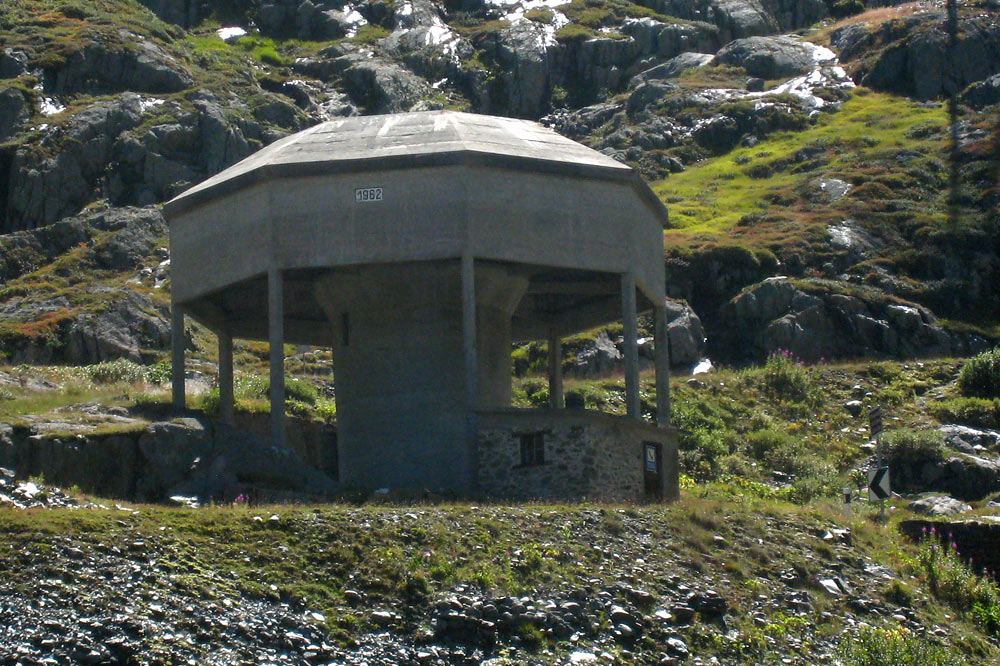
{"x":411,"y":140}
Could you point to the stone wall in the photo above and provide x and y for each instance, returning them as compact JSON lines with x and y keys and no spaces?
{"x":588,"y":455}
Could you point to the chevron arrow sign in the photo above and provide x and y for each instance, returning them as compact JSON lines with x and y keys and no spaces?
{"x":878,"y":484}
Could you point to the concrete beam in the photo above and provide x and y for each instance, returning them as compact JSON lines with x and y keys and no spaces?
{"x":226,"y":377}
{"x":631,"y":346}
{"x":581,"y":288}
{"x":276,"y":338}
{"x":177,"y":344}
{"x":296,"y":331}
{"x":661,"y":341}
{"x":556,"y":400}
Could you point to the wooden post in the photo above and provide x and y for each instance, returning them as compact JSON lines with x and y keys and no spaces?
{"x":631,"y":346}
{"x":276,"y":338}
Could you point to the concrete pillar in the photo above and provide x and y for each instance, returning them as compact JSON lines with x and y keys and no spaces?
{"x":226,"y":377}
{"x":555,"y":373}
{"x":661,"y":340}
{"x":631,"y":346}
{"x":470,"y":351}
{"x":276,"y":338}
{"x":469,"y":330}
{"x":177,"y":342}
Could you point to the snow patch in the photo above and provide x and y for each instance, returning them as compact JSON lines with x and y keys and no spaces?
{"x":147,"y":103}
{"x":231,"y":32}
{"x":50,"y":106}
{"x":516,"y":9}
{"x":704,"y":365}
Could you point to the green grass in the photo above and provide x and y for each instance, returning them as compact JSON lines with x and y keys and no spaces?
{"x":712,"y":197}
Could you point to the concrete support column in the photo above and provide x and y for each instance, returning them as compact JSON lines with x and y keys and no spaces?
{"x":661,"y":340}
{"x":555,"y":373}
{"x":276,"y":338}
{"x":631,"y":346}
{"x":177,"y":343}
{"x":469,"y":329}
{"x":226,"y":377}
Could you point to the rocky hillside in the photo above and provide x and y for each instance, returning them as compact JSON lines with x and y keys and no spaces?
{"x":818,"y":200}
{"x":727,"y":579}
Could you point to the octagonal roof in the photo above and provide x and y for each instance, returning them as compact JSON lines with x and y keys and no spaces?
{"x":411,"y":140}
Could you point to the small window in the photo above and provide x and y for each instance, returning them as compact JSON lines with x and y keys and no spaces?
{"x":532,"y":449}
{"x":345,"y":329}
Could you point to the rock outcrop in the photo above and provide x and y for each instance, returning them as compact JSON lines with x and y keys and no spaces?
{"x":769,"y":57}
{"x":187,"y":457}
{"x":102,"y":321}
{"x":815,"y":320}
{"x":913,"y":55}
{"x":15,"y":112}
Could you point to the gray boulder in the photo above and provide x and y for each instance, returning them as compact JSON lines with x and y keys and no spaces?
{"x":13,"y":63}
{"x":970,"y":440}
{"x":184,"y":13}
{"x":647,"y":94}
{"x":319,"y":20}
{"x":687,"y":337}
{"x":967,"y":477}
{"x":664,"y":41}
{"x":599,"y":357}
{"x":769,"y":57}
{"x":43,"y":188}
{"x":913,"y":56}
{"x":672,"y":68}
{"x":132,"y":326}
{"x":15,"y":112}
{"x":526,"y":59}
{"x":938,"y":505}
{"x":983,"y":93}
{"x":382,"y":86}
{"x":98,"y":68}
{"x":168,"y":450}
{"x":414,"y":13}
{"x":824,"y":323}
{"x":208,"y":459}
{"x":744,"y":18}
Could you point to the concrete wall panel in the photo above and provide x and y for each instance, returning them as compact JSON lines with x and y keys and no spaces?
{"x":220,"y":243}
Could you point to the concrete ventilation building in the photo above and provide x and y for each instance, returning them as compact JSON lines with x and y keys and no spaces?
{"x":420,"y":246}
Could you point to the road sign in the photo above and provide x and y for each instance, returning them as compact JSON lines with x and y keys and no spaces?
{"x":875,"y":419}
{"x":878,"y":484}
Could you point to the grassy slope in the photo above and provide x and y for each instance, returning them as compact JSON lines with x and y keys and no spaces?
{"x":711,"y":198}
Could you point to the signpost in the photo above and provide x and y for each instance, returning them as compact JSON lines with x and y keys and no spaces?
{"x":878,"y":484}
{"x":878,"y":478}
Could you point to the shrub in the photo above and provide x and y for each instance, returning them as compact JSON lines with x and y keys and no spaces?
{"x":951,"y":580}
{"x":250,"y":387}
{"x":209,"y":401}
{"x":785,"y":378}
{"x":573,"y":32}
{"x":114,"y":372}
{"x":912,"y":447}
{"x":980,"y":375}
{"x":872,"y":646}
{"x":302,"y":391}
{"x":974,"y":412}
